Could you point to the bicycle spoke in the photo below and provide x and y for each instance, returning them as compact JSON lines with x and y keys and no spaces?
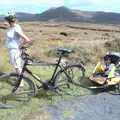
{"x":76,"y":74}
{"x":70,"y":81}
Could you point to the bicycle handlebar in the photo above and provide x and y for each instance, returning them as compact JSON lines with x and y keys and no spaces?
{"x":24,"y":47}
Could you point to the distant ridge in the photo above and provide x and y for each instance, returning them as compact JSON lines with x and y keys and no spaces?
{"x":66,"y":14}
{"x":26,"y":16}
{"x":22,"y":16}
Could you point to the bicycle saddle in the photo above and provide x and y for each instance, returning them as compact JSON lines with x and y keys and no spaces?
{"x":67,"y":50}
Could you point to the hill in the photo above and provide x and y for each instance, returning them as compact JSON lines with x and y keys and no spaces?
{"x":66,"y":14}
{"x":58,"y":14}
{"x":22,"y":16}
{"x":26,"y":16}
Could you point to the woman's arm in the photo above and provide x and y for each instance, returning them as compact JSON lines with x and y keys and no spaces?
{"x":23,"y":36}
{"x":19,"y":31}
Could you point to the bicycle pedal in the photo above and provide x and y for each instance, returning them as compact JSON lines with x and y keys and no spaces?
{"x":70,"y":81}
{"x":51,"y":87}
{"x":47,"y":86}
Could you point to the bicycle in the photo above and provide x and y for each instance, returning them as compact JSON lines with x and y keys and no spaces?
{"x":62,"y":77}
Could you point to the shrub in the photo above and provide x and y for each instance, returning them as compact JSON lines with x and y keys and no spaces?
{"x":113,"y":45}
{"x":82,"y":53}
{"x":63,"y":33}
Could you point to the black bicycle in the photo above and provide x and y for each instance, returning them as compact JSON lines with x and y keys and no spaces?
{"x":64,"y":74}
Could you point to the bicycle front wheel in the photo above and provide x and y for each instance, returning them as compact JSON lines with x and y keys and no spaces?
{"x":20,"y":96}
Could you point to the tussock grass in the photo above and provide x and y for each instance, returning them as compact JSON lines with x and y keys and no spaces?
{"x":4,"y":60}
{"x":113,"y":45}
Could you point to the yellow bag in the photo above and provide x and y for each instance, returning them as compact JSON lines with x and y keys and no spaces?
{"x":99,"y":68}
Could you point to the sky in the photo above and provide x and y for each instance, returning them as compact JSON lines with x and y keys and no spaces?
{"x":38,"y":6}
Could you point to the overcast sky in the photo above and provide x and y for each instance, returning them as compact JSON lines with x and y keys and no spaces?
{"x":38,"y":6}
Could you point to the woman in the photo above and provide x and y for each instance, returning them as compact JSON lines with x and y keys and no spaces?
{"x":14,"y":37}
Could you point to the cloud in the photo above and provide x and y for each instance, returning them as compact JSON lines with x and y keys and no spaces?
{"x":29,"y":5}
{"x":93,"y":2}
{"x":41,"y":5}
{"x":32,"y":2}
{"x":94,"y":5}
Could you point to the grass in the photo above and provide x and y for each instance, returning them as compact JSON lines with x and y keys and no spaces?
{"x":34,"y":111}
{"x":4,"y":60}
{"x":88,"y":47}
{"x":68,"y":114}
{"x":113,"y":45}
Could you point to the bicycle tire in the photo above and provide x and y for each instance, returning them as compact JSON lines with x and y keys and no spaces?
{"x":72,"y":81}
{"x":76,"y":73}
{"x":17,"y":98}
{"x":61,"y":83}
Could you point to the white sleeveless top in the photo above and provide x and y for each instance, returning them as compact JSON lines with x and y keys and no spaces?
{"x":13,"y":39}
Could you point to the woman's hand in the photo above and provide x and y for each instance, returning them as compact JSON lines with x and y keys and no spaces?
{"x":28,"y":43}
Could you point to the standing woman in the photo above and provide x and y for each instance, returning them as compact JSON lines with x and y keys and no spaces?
{"x":14,"y":37}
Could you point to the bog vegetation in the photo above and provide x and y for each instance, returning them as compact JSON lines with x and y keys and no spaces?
{"x":88,"y":41}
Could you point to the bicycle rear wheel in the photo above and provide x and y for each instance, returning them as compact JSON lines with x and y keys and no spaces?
{"x":61,"y":83}
{"x":76,"y":74}
{"x":20,"y":96}
{"x":71,"y":77}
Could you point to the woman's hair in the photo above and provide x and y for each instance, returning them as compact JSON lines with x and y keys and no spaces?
{"x":10,"y":17}
{"x":107,"y":57}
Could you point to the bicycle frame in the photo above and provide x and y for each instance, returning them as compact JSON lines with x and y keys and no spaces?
{"x":52,"y":79}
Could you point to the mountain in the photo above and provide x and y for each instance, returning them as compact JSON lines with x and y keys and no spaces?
{"x":1,"y":17}
{"x":66,"y":14}
{"x":58,"y":14}
{"x":26,"y":16}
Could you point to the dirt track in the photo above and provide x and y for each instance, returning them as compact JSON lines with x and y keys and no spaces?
{"x":94,"y":107}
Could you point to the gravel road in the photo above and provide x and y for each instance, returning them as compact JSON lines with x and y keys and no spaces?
{"x":102,"y":106}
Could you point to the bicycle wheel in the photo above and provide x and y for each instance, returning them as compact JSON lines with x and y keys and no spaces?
{"x":70,"y":77}
{"x":61,"y":83}
{"x":76,"y":74}
{"x":17,"y":98}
